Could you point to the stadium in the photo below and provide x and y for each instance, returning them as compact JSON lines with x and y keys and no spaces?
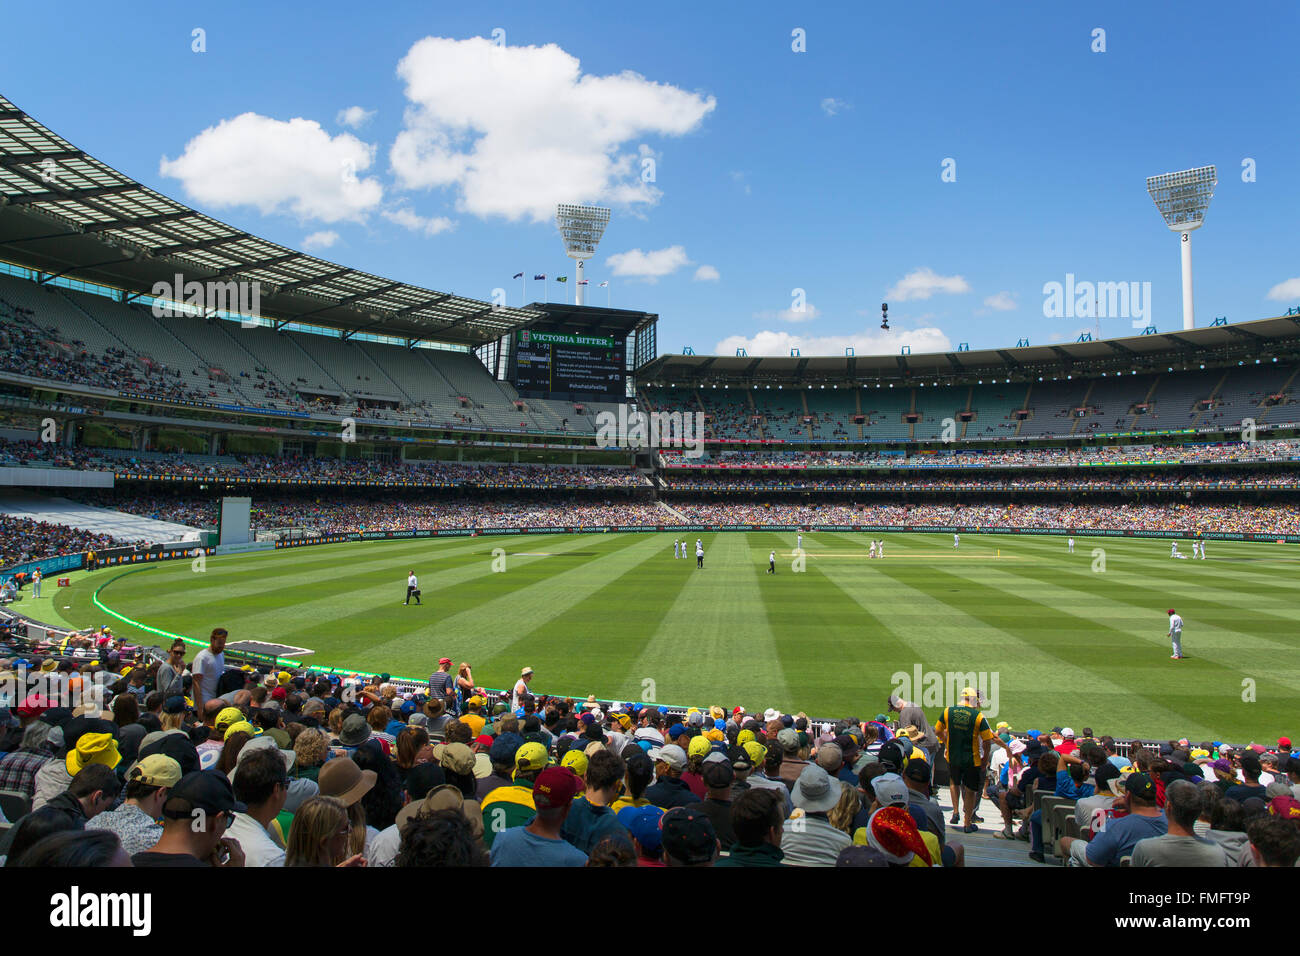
{"x":632,"y":554}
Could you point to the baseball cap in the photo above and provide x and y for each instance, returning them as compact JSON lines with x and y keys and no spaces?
{"x":718,"y":774}
{"x":672,"y":755}
{"x":788,"y":738}
{"x":206,"y":790}
{"x":156,"y":770}
{"x":504,"y":748}
{"x":1067,"y":733}
{"x":756,"y":752}
{"x":576,"y":761}
{"x":688,"y":836}
{"x":458,"y":758}
{"x":699,"y":746}
{"x":1284,"y":743}
{"x":918,"y":770}
{"x":1142,"y":786}
{"x":529,"y":757}
{"x":643,"y":824}
{"x":1288,"y":808}
{"x":830,"y":757}
{"x":675,"y":731}
{"x":890,"y":790}
{"x":444,"y":660}
{"x":555,"y":787}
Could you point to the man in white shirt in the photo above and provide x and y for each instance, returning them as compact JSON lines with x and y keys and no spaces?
{"x":677,"y":548}
{"x":1176,"y":635}
{"x":412,"y":588}
{"x":799,"y":540}
{"x":1071,"y":542}
{"x":1173,"y":549}
{"x":208,"y":667}
{"x":872,"y":552}
{"x":956,"y":541}
{"x":521,"y":688}
{"x":262,"y":783}
{"x":699,"y":555}
{"x":771,"y":563}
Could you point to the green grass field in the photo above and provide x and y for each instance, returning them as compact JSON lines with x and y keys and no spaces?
{"x":611,"y":613}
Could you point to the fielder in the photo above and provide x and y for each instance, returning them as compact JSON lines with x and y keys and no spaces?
{"x":771,"y":563}
{"x":1176,"y":635}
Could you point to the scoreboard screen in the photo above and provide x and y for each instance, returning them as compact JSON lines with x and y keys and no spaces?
{"x":560,"y":364}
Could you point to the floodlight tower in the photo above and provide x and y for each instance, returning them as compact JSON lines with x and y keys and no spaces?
{"x":1182,"y":199}
{"x":581,"y":227}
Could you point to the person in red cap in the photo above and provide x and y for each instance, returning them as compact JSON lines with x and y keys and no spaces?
{"x":540,"y":843}
{"x":442,"y":686}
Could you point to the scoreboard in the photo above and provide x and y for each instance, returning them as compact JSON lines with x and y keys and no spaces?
{"x":569,"y":366}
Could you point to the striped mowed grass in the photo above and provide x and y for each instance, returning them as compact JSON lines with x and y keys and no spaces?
{"x":1056,"y":639}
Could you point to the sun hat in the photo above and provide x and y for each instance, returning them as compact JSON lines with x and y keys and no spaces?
{"x":816,"y":791}
{"x":343,"y":779}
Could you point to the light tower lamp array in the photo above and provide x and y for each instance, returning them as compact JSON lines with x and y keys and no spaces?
{"x":1182,"y":199}
{"x":582,"y":228}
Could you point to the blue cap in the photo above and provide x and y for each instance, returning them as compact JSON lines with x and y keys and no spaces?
{"x":676,"y":730}
{"x":643,"y":824}
{"x":504,"y":747}
{"x":719,"y":723}
{"x":1033,"y":733}
{"x":663,"y":708}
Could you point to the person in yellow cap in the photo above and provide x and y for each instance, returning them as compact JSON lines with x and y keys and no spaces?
{"x":474,"y":716}
{"x":513,"y":806}
{"x":577,"y":761}
{"x":696,"y":751}
{"x":241,"y":727}
{"x":92,"y":748}
{"x":228,"y":716}
{"x":283,"y":678}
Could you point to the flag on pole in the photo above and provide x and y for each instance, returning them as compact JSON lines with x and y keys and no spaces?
{"x":583,"y":282}
{"x":604,"y":285}
{"x":541,"y":277}
{"x":561,"y":278}
{"x":517,"y":275}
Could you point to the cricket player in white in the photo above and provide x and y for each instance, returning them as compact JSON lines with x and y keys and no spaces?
{"x":956,"y":541}
{"x":872,"y":553}
{"x":799,"y":539}
{"x":1071,"y":546}
{"x":1173,"y":549}
{"x":1176,"y":635}
{"x":771,"y":563}
{"x":699,"y":555}
{"x":412,"y":587}
{"x":677,"y":548}
{"x":1202,"y":550}
{"x":880,"y":551}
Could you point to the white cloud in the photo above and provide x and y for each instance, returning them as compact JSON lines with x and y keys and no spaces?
{"x":354,"y":116}
{"x":1288,"y":291}
{"x":807,"y":314}
{"x":831,"y":106}
{"x":867,"y":342}
{"x":707,"y":274}
{"x":923,"y":283}
{"x":1001,"y":302}
{"x":530,"y":130}
{"x":321,"y":240}
{"x":650,"y":266}
{"x":277,"y":166}
{"x":430,"y":226}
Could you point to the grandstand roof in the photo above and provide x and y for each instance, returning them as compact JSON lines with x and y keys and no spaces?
{"x":65,"y":213}
{"x":1263,"y":338}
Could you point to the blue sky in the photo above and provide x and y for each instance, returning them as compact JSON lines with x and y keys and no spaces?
{"x":387,"y":138}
